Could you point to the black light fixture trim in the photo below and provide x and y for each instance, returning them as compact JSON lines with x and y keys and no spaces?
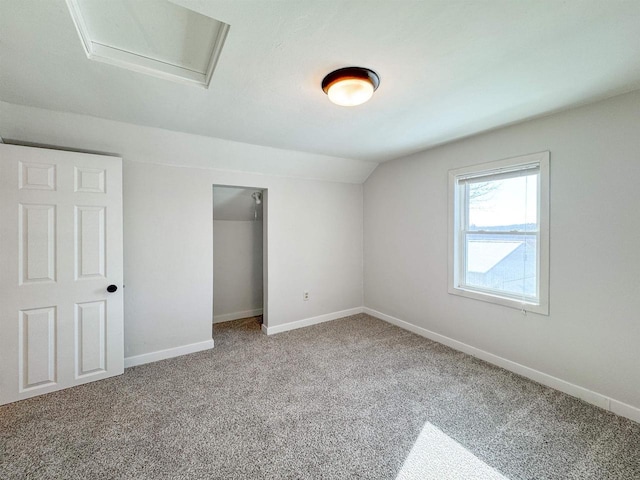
{"x":350,"y":72}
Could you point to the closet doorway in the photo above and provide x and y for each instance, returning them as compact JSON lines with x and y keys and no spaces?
{"x":239,"y":255}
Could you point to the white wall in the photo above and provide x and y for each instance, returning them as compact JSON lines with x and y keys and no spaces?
{"x":166,"y":147}
{"x":314,"y":234}
{"x":314,"y":242}
{"x":237,"y":269}
{"x":592,"y":336}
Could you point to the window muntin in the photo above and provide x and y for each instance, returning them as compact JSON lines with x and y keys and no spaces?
{"x":499,"y":251}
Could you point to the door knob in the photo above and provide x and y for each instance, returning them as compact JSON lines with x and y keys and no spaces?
{"x":112,"y":288}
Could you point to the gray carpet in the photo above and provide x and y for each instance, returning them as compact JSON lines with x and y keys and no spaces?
{"x":353,"y":398}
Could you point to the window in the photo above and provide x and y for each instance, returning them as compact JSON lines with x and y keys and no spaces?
{"x":499,"y":227}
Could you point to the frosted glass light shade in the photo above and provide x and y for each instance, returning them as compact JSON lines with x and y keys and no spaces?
{"x":350,"y":92}
{"x":350,"y":86}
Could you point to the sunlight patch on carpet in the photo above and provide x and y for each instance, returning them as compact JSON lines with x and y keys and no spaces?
{"x":436,"y":456}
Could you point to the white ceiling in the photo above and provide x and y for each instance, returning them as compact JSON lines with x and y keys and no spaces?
{"x":235,"y":203}
{"x":448,"y":68}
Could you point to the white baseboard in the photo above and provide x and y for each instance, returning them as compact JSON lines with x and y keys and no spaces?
{"x":168,"y":353}
{"x":310,"y":321}
{"x":589,"y":396}
{"x":624,"y":410}
{"x":227,"y":317}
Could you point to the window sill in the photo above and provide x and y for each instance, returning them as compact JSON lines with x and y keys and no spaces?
{"x":542,"y":309}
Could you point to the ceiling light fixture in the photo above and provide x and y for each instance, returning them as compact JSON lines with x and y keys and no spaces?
{"x":350,"y":86}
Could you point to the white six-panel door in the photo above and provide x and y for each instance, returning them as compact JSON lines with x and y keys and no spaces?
{"x":60,"y":248}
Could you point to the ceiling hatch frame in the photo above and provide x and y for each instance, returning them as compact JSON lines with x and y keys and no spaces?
{"x":142,"y":64}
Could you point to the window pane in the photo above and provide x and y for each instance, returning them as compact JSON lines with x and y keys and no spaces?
{"x":504,"y":205}
{"x":503,"y":263}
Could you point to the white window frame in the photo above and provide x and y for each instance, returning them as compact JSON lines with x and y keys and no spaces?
{"x":456,"y":230}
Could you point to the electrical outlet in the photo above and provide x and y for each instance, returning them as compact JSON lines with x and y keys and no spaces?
{"x":305,"y":296}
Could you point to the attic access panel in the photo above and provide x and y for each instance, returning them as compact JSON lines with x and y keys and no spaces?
{"x":155,"y":37}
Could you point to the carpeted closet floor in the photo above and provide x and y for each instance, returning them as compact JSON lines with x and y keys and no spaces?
{"x":352,"y":398}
